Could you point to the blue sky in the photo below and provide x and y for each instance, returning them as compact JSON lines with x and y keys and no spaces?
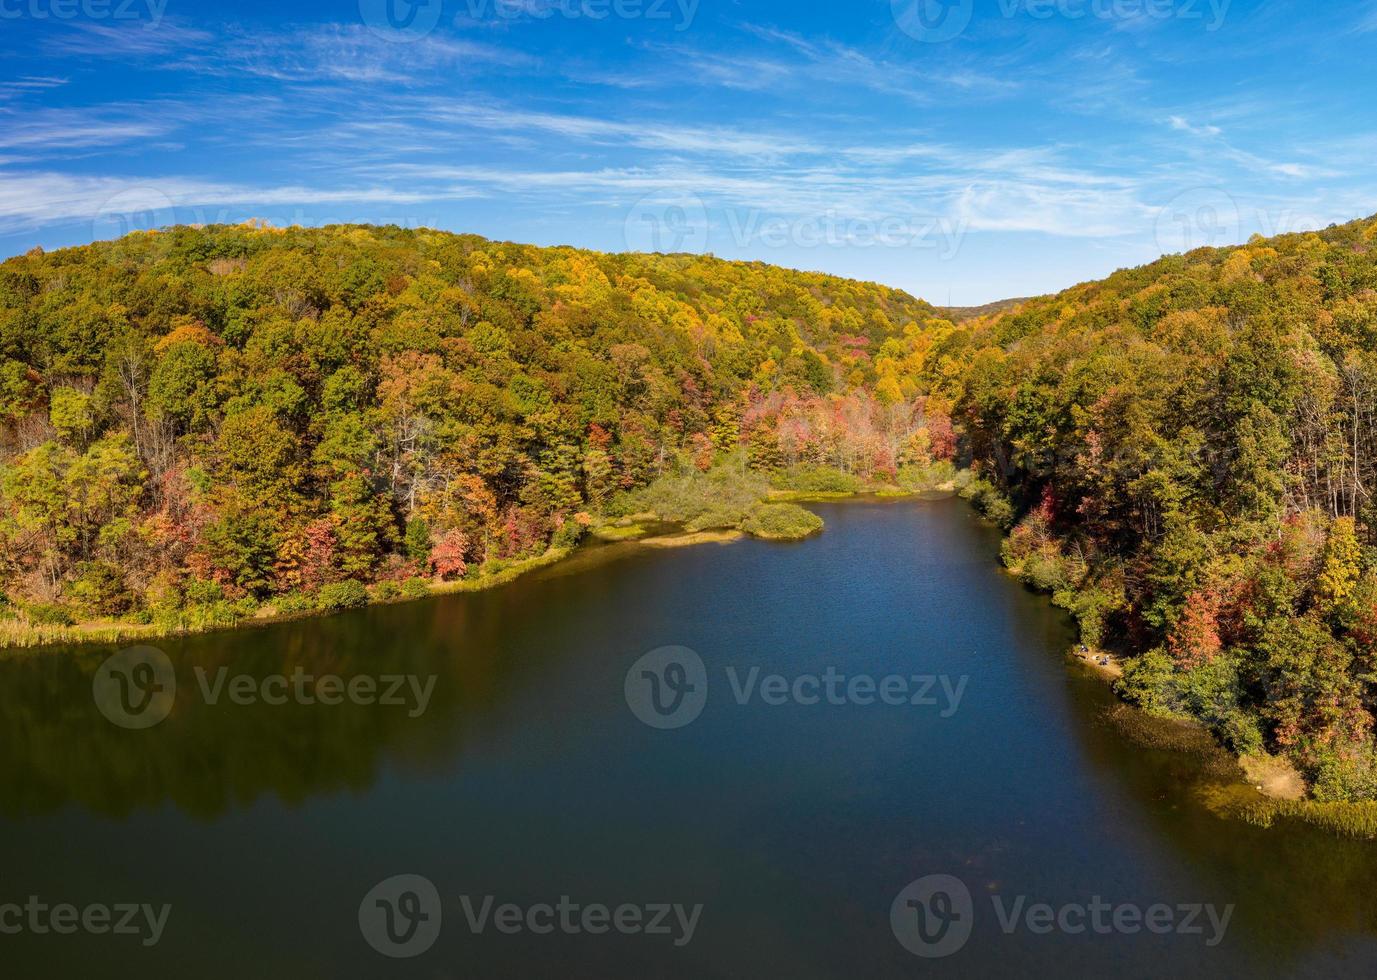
{"x":965,"y":150}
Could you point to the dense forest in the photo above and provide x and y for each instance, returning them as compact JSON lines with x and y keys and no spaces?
{"x":1191,"y":453}
{"x":199,"y":421}
{"x":203,"y":421}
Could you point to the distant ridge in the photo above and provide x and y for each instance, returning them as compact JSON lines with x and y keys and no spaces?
{"x":960,"y":314}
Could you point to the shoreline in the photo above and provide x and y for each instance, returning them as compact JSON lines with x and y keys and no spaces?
{"x":647,"y":530}
{"x":1258,"y":789}
{"x":17,"y":638}
{"x":1262,"y":790}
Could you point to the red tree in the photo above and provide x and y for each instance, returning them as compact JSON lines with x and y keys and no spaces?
{"x":1195,"y":639}
{"x":447,"y":556}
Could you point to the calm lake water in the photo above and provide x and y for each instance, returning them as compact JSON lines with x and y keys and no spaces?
{"x":528,"y":778}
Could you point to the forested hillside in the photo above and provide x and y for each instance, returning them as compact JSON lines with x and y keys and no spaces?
{"x":200,"y":420}
{"x":1191,"y":449}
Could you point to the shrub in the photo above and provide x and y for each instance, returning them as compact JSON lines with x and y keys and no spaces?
{"x":386,"y":591}
{"x":293,"y":603}
{"x":987,"y":499}
{"x":917,"y":479}
{"x":50,"y":614}
{"x":1351,"y":775}
{"x":715,"y":518}
{"x":569,"y":534}
{"x":100,"y":590}
{"x":415,"y":588}
{"x":1045,"y":572}
{"x":349,"y":594}
{"x":1213,"y":693}
{"x":1241,"y":732}
{"x":782,"y":522}
{"x":1147,"y":682}
{"x":1091,"y":606}
{"x":489,"y":568}
{"x":722,"y":497}
{"x":200,"y":592}
{"x":816,"y":479}
{"x":417,"y":540}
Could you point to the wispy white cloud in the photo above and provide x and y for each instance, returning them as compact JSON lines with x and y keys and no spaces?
{"x":1088,"y":145}
{"x":344,"y":53}
{"x":835,"y":63}
{"x":29,"y":199}
{"x":1367,"y":20}
{"x":123,"y":39}
{"x":60,"y":129}
{"x":643,"y":133}
{"x":1182,"y":126}
{"x":26,"y":84}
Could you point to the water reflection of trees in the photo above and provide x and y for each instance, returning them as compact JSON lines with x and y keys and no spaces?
{"x":1293,"y":885}
{"x":57,"y":749}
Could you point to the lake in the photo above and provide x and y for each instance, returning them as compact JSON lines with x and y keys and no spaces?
{"x":867,"y":754}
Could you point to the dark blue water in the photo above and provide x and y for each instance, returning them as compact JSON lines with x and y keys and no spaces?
{"x":528,"y":778}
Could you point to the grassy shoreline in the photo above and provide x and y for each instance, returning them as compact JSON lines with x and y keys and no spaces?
{"x":16,"y":636}
{"x":1263,"y":790}
{"x":782,"y":521}
{"x":1255,"y":792}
